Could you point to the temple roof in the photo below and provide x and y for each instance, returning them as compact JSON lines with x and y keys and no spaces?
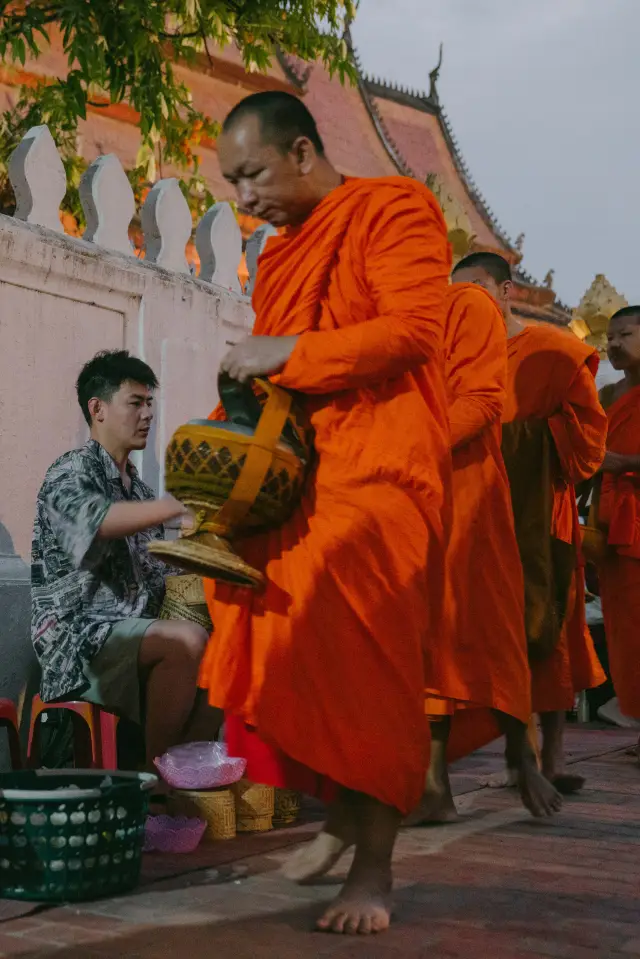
{"x":372,"y":128}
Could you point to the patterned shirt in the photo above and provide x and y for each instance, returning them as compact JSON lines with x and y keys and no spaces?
{"x":81,"y":585}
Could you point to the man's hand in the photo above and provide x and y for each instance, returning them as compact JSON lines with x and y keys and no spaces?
{"x":257,"y":356}
{"x":615,"y":463}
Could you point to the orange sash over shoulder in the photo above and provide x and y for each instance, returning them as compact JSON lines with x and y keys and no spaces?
{"x":327,"y":665}
{"x":551,"y":376}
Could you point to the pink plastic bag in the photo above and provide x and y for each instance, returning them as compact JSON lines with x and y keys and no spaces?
{"x":200,"y":766}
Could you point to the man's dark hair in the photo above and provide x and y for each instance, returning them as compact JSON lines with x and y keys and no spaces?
{"x":492,"y":263}
{"x":627,"y":312}
{"x":282,"y":117}
{"x":103,"y":376}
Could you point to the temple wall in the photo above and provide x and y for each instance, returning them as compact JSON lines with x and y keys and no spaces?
{"x":63,"y":299}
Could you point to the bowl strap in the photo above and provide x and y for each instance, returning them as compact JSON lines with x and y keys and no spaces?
{"x":259,"y":459}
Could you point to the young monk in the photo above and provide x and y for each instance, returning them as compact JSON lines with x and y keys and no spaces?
{"x":618,"y":511}
{"x":553,"y":438}
{"x":327,"y":664}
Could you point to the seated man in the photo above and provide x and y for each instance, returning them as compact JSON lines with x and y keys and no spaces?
{"x":96,"y":590}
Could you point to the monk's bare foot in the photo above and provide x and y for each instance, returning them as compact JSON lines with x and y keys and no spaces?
{"x":436,"y":807}
{"x":506,"y":779}
{"x":538,"y":795}
{"x":567,"y":784}
{"x":364,"y":904}
{"x":315,"y":859}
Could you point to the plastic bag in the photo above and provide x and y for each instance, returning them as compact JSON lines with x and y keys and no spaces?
{"x":200,"y":766}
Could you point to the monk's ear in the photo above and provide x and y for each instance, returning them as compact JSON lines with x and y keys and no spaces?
{"x":305,"y":155}
{"x":507,"y":288}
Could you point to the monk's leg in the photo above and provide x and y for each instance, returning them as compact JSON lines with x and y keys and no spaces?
{"x":364,"y":903}
{"x":538,"y":795}
{"x":436,"y":805}
{"x":316,"y":858}
{"x":553,"y":754}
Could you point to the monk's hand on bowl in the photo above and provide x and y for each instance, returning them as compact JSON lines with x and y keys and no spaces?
{"x":257,"y":356}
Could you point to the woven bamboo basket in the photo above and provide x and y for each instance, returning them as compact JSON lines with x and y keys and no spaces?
{"x":254,"y":806}
{"x":184,"y":599}
{"x":216,"y":806}
{"x":286,"y":808}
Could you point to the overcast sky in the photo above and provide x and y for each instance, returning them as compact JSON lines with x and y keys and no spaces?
{"x":543,"y":98}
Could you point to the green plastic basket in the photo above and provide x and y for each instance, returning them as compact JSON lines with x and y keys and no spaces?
{"x":71,"y":835}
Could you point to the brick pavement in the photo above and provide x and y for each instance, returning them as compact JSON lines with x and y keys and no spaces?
{"x":496,"y":885}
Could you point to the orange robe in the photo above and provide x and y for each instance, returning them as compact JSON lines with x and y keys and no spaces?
{"x":551,"y":375}
{"x":619,"y":574}
{"x":327,"y":665}
{"x":487,"y":663}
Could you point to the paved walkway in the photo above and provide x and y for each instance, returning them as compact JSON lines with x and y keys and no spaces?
{"x":495,"y":886}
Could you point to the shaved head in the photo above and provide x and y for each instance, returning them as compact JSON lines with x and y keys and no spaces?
{"x":623,"y":339}
{"x":282,"y":119}
{"x":490,"y":271}
{"x":626,"y":313}
{"x":271,"y":152}
{"x":493,"y":264}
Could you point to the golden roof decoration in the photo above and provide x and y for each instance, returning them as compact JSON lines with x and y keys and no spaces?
{"x":590,"y":319}
{"x":459,"y":230}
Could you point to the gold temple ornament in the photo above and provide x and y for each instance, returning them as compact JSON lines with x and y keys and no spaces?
{"x":590,"y":320}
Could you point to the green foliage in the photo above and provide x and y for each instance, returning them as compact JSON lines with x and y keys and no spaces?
{"x":125,"y":51}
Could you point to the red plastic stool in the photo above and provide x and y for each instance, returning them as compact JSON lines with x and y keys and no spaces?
{"x":101,"y":727}
{"x":9,"y":721}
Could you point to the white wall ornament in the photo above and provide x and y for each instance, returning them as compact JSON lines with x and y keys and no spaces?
{"x":255,"y":245}
{"x":38,"y":179}
{"x":108,"y":203}
{"x":219,"y":246}
{"x":166,"y":224}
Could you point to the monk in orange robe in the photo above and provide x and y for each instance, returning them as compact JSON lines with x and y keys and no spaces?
{"x":618,"y":511}
{"x":479,"y":683}
{"x":486,"y":665}
{"x":326,"y":666}
{"x":553,"y":438}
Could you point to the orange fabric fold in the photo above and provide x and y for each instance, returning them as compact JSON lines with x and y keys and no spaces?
{"x":619,"y":505}
{"x":619,"y":574}
{"x":327,"y":664}
{"x":551,"y":375}
{"x":482,"y":660}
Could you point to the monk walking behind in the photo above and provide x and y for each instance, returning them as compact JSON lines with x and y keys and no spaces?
{"x":618,"y":511}
{"x":481,"y":658}
{"x":553,"y":438}
{"x":326,"y":666}
{"x":486,"y":665}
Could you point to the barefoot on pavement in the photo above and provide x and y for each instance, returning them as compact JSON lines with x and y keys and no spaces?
{"x":363,"y":906}
{"x":436,"y":807}
{"x":538,"y":795}
{"x":567,"y":784}
{"x":505,"y":779}
{"x":314,"y":859}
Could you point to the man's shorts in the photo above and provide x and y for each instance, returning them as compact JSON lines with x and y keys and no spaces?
{"x":114,"y":674}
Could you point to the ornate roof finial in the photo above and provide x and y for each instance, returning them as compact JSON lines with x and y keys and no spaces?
{"x":459,"y":230}
{"x":548,"y":280}
{"x":591,"y":317}
{"x":519,"y":243}
{"x":433,"y":78}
